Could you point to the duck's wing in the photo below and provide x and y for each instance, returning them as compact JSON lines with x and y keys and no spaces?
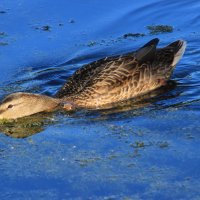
{"x":108,"y":71}
{"x":82,"y":76}
{"x":127,"y":66}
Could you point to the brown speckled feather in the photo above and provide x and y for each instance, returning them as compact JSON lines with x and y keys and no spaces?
{"x":119,"y":78}
{"x":82,"y":76}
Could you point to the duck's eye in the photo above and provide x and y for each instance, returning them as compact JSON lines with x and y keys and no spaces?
{"x":10,"y":106}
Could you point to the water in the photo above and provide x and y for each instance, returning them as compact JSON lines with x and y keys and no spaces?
{"x":147,"y":151}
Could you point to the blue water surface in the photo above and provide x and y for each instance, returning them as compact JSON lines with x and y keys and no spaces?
{"x":148,"y":151}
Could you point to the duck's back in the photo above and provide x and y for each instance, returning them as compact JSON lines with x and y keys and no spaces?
{"x":119,"y":78}
{"x":89,"y":74}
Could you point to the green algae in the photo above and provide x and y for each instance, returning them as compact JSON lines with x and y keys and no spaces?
{"x":3,"y":43}
{"x":163,"y":145}
{"x":44,"y":28}
{"x":138,"y":145}
{"x":25,"y":127}
{"x":157,"y":29}
{"x":92,"y":43}
{"x":2,"y":34}
{"x":136,"y":35}
{"x":71,"y":21}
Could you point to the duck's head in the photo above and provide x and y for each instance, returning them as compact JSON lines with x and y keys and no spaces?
{"x":20,"y":104}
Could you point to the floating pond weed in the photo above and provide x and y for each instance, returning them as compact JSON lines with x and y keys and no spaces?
{"x":157,"y":29}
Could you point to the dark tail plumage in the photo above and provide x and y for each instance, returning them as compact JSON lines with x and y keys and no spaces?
{"x":178,"y":48}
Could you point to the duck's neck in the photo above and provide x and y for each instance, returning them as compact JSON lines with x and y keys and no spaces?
{"x":57,"y":103}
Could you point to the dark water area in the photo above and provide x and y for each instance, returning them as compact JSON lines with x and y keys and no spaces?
{"x":148,"y":150}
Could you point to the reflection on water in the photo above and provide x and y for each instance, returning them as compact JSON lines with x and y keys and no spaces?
{"x":136,"y":150}
{"x":25,"y":127}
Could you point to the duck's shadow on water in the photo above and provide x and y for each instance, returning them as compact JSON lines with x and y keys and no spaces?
{"x":27,"y":126}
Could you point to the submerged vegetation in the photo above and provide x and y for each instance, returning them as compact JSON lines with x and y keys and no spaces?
{"x":2,"y":34}
{"x":91,"y":43}
{"x":157,"y":29}
{"x":25,"y":127}
{"x":133,"y":35}
{"x":44,"y":28}
{"x":153,"y":30}
{"x":3,"y":43}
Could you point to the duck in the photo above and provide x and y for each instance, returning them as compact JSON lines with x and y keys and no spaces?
{"x":103,"y":82}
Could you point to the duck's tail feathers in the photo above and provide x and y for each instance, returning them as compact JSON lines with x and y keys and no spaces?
{"x":153,"y":42}
{"x":178,"y":50}
{"x":147,"y":52}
